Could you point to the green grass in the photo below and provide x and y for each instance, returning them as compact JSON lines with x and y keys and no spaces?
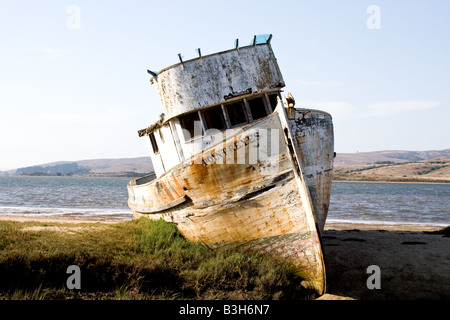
{"x":139,"y":259}
{"x":445,"y":231}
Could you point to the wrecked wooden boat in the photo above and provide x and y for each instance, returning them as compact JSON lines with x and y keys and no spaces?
{"x":236,"y":164}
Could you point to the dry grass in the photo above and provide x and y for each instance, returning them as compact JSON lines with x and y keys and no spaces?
{"x":138,"y":259}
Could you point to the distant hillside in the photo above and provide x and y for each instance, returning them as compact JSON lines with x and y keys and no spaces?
{"x":124,"y":165}
{"x":402,"y":166}
{"x":57,"y":169}
{"x":397,"y":156}
{"x":422,"y":166}
{"x":96,"y":167}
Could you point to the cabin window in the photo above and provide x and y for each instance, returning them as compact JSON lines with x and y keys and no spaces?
{"x":161,"y":136}
{"x":214,"y":118}
{"x":154,"y":144}
{"x":188,"y":123}
{"x":273,"y":101}
{"x":257,"y":108}
{"x":236,"y":113}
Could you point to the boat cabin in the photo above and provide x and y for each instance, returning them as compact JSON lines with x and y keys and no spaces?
{"x":207,"y":98}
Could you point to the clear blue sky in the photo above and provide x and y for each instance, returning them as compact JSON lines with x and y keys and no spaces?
{"x":74,"y":86}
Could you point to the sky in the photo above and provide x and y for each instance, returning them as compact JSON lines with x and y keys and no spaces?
{"x":74,"y":86}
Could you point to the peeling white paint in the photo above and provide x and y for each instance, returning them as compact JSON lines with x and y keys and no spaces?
{"x":205,"y":81}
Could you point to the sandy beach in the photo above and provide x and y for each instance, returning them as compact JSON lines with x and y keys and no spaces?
{"x":53,"y":219}
{"x":413,"y":262}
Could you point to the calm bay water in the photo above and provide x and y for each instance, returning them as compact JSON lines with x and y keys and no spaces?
{"x":390,"y":202}
{"x":65,"y":196}
{"x":107,"y":197}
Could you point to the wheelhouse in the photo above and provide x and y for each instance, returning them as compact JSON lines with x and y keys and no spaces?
{"x":200,"y":109}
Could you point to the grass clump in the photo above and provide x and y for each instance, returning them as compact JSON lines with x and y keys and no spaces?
{"x":445,"y":231}
{"x":139,"y":259}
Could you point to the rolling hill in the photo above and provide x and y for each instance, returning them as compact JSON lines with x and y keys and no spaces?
{"x":400,"y":166}
{"x":96,"y":167}
{"x":397,"y":156}
{"x":388,"y":165}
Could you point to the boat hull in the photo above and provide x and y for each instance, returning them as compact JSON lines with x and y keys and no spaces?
{"x":264,"y":189}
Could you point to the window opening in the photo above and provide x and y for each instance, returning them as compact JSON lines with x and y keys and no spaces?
{"x":189,"y":122}
{"x":154,"y":144}
{"x":257,"y":108}
{"x":273,"y":101}
{"x":161,"y":135}
{"x":214,"y":118}
{"x":236,"y":113}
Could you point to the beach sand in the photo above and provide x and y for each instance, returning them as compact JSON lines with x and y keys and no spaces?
{"x":413,"y":263}
{"x":53,"y":219}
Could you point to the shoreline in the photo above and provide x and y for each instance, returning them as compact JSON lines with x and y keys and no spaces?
{"x":329,"y":225}
{"x":392,"y":181}
{"x":55,"y":219}
{"x":382,"y":226}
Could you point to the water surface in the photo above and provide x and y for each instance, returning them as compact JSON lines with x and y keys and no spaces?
{"x":390,"y":202}
{"x":107,"y":197}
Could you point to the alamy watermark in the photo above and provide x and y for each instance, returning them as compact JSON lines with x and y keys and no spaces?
{"x":374,"y":280}
{"x":74,"y":19}
{"x":373,"y":22}
{"x":74,"y":280}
